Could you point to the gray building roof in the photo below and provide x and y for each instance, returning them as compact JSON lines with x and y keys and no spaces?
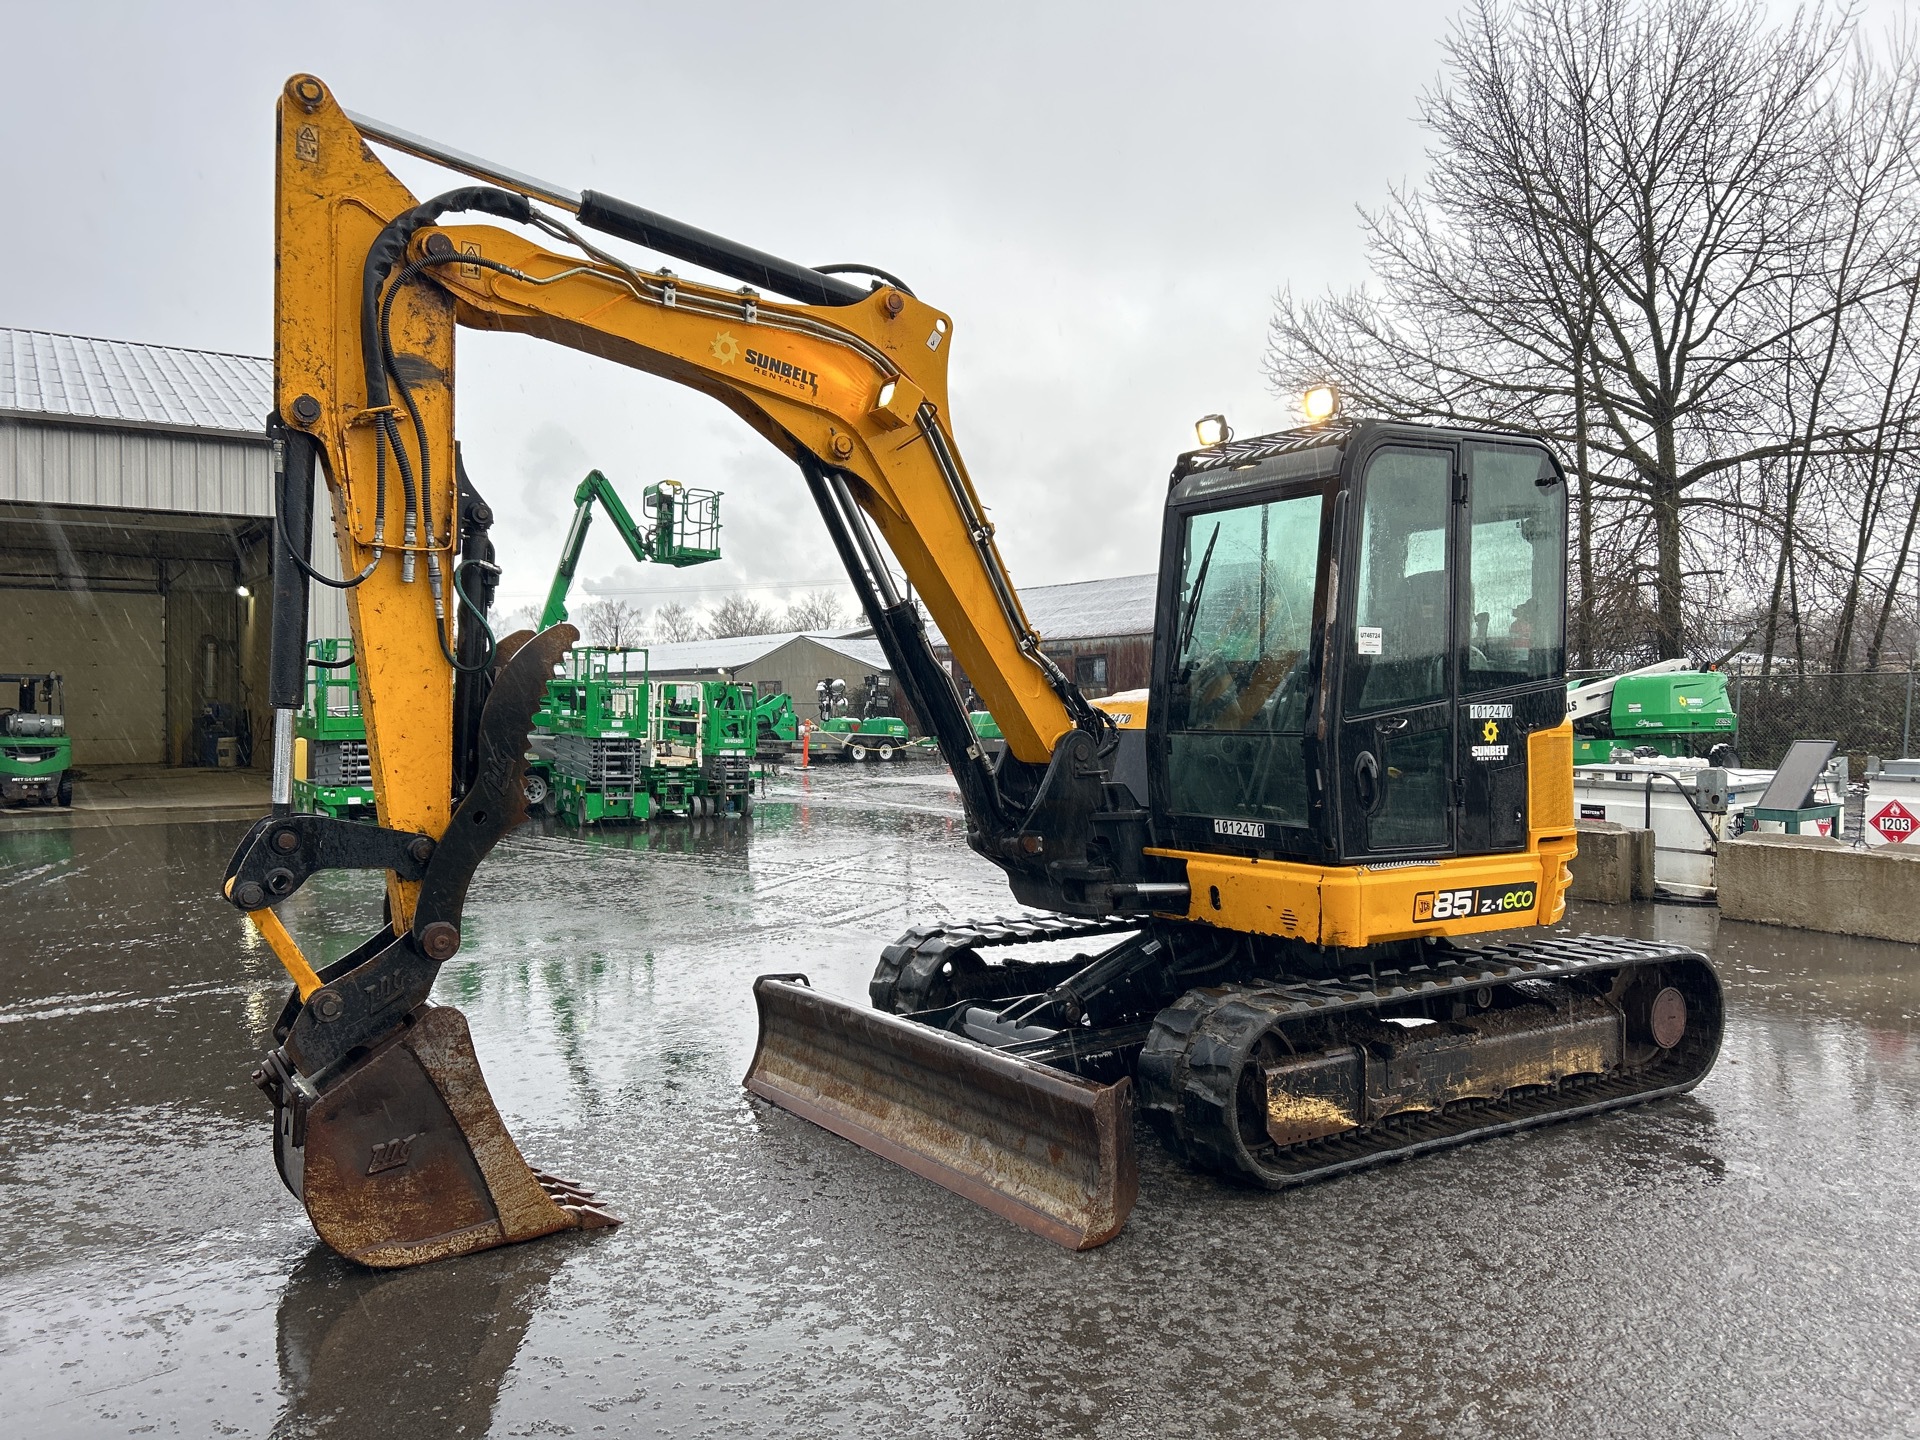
{"x":122,"y":383}
{"x":1088,"y":609}
{"x":1092,"y":609}
{"x":706,"y":656}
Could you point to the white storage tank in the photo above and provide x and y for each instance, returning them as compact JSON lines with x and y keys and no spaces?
{"x":1666,"y":796}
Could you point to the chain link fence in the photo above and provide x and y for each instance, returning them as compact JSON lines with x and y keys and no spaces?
{"x":1863,"y":713}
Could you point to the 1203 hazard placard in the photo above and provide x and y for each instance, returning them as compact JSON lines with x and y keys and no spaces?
{"x":1893,"y":822}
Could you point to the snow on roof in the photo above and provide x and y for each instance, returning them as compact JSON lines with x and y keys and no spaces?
{"x":703,"y":656}
{"x":1089,"y":609}
{"x":121,"y":382}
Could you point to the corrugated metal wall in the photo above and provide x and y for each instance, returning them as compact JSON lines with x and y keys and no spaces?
{"x":96,"y":465}
{"x":122,"y":596}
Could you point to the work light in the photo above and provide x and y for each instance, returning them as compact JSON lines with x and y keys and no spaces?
{"x":1320,"y":402}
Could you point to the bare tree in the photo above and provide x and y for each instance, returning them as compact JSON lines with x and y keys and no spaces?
{"x":1679,"y":242}
{"x":815,"y":610}
{"x":674,"y":622}
{"x":613,"y":623}
{"x":527,"y":617}
{"x":739,"y":615}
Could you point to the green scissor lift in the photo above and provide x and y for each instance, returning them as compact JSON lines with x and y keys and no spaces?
{"x":331,"y":772}
{"x":627,"y":747}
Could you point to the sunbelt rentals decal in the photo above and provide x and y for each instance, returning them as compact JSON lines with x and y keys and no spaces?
{"x":726,"y":349}
{"x":1489,"y":746}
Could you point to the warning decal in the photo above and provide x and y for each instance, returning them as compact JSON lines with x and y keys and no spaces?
{"x":1894,"y":822}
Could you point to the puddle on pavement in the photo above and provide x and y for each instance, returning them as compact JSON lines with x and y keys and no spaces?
{"x":1736,"y":1261}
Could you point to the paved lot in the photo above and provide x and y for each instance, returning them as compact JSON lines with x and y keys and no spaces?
{"x":1742,"y":1261}
{"x":122,"y":796}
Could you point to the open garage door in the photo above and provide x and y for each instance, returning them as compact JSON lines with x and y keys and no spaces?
{"x":110,"y":647}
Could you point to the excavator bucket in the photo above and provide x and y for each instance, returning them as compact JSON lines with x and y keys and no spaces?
{"x":403,"y":1159}
{"x":1043,"y":1148}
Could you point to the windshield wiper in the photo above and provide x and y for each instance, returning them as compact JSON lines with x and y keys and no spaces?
{"x":1193,"y":597}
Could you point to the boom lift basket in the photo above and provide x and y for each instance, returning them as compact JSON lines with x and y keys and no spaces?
{"x":686,"y":523}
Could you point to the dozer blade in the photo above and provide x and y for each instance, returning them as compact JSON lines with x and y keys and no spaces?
{"x":403,"y":1158}
{"x":1043,"y":1148}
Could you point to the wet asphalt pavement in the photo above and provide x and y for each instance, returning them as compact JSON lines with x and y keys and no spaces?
{"x":1740,"y":1261}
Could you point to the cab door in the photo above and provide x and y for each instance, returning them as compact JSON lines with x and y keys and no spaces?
{"x":1398,"y":742}
{"x":1510,"y":607}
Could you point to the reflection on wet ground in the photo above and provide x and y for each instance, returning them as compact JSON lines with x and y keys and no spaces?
{"x":1738,"y":1262}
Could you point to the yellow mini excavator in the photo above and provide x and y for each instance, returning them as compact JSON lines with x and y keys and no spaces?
{"x":1288,"y":897}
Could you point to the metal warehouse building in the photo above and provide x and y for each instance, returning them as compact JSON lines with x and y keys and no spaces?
{"x":135,"y":529}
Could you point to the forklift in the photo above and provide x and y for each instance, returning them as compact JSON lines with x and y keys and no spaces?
{"x":36,"y":757}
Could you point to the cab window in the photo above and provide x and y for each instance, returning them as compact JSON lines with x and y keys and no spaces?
{"x":1516,"y":561}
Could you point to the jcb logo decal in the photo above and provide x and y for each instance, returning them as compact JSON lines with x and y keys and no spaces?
{"x":391,"y":1154}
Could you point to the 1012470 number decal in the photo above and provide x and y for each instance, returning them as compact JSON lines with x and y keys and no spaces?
{"x":1469,"y":904}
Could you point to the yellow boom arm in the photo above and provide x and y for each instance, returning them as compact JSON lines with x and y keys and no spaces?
{"x":856,"y":393}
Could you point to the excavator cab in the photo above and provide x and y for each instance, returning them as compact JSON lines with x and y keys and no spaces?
{"x":1298,"y":718}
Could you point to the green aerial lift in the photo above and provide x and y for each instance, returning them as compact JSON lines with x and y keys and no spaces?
{"x":708,"y":727}
{"x":623,"y":746}
{"x":331,"y":771}
{"x":36,"y":757}
{"x":593,"y":732}
{"x":608,"y":744}
{"x":683,"y":529}
{"x":1673,"y":708}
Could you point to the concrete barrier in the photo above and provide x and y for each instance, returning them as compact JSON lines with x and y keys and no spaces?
{"x":1615,"y":863}
{"x":1814,"y":883}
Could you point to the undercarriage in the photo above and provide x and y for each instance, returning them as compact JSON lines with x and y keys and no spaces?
{"x":1001,"y":1075}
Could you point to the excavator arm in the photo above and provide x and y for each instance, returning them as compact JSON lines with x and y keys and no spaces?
{"x":371,"y":285}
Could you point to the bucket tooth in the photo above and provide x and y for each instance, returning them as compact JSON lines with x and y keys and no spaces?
{"x":1041,"y":1147}
{"x":406,"y":1160}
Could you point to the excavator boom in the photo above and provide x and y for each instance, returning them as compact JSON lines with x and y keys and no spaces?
{"x":850,"y":382}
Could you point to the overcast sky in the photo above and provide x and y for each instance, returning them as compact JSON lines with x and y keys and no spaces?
{"x":1105,"y":197}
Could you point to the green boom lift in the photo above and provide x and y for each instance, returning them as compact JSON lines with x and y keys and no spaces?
{"x":1672,"y":708}
{"x":599,"y":748}
{"x":683,"y":529}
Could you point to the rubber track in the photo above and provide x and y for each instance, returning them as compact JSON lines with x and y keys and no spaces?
{"x":910,"y":966}
{"x":1189,"y":1071}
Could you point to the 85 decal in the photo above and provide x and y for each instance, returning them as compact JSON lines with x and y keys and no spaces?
{"x":1471,"y":904}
